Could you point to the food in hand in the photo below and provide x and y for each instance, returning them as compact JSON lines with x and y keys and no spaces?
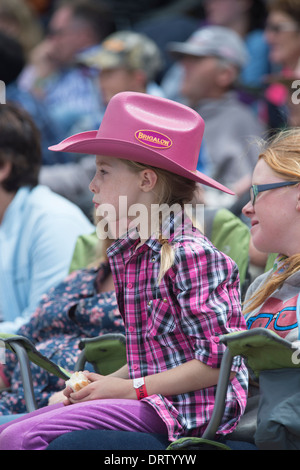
{"x":77,"y":381}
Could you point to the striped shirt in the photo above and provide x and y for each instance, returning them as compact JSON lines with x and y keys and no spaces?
{"x":180,"y":320}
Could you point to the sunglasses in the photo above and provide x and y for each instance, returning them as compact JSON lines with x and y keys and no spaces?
{"x":258,"y":188}
{"x":280,"y":27}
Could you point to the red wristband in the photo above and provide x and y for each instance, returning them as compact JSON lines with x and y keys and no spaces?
{"x":140,"y":388}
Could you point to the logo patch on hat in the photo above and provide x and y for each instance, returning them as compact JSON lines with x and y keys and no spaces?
{"x":153,"y":139}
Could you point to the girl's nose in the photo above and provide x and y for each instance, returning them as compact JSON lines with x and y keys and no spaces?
{"x":92,"y":187}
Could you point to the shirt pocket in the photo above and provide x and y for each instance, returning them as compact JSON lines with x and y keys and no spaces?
{"x":160,"y":318}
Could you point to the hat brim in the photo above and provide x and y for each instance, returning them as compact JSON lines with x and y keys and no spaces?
{"x":103,"y":60}
{"x":89,"y":143}
{"x":179,"y":49}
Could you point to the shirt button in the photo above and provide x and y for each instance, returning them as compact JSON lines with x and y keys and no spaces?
{"x":131,"y":329}
{"x":158,"y":402}
{"x":216,"y":339}
{"x":129,"y":285}
{"x":135,"y":366}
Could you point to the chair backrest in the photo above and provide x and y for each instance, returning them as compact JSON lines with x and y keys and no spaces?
{"x":85,"y":251}
{"x":263,"y":349}
{"x":276,"y":362}
{"x":106,"y":353}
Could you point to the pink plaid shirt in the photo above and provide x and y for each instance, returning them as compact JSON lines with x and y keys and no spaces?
{"x":197,"y":300}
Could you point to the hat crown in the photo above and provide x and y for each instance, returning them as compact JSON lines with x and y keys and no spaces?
{"x":148,"y":121}
{"x":150,"y":130}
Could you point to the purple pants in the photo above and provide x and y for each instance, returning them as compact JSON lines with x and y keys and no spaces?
{"x":36,"y":430}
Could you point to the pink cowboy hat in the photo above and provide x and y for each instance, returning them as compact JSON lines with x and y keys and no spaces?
{"x":149,"y":130}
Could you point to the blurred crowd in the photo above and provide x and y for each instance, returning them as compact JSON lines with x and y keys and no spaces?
{"x":235,"y":61}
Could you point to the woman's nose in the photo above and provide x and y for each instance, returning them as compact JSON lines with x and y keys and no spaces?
{"x":248,"y":209}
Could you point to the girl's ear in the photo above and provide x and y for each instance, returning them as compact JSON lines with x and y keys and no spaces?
{"x":148,"y":180}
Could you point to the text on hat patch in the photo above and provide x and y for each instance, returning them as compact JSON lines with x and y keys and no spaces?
{"x":153,"y":139}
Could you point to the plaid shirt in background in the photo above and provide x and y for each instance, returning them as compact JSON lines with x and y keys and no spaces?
{"x":197,"y":300}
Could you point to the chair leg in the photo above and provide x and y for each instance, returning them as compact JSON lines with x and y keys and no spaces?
{"x":26,"y":376}
{"x":221,"y":392}
{"x":80,"y":363}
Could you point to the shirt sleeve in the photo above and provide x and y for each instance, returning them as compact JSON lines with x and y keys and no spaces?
{"x":208,"y":292}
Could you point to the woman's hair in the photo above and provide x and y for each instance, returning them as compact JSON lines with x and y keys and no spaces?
{"x":289,"y":7}
{"x":257,"y":14}
{"x":20,"y":146}
{"x":282,"y":154}
{"x":170,"y":189}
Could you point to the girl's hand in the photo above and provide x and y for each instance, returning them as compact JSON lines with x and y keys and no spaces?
{"x":101,"y":386}
{"x":57,"y":397}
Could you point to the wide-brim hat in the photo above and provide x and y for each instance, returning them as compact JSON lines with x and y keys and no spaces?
{"x":150,"y":130}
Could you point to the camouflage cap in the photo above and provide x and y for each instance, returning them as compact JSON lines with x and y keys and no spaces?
{"x":126,"y":49}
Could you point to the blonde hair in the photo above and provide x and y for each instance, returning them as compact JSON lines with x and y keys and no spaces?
{"x":282,"y":154}
{"x":170,"y":189}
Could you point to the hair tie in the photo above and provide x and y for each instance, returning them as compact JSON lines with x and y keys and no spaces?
{"x":162,"y":240}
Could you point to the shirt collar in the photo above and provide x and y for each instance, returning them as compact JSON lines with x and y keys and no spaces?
{"x":174,"y":225}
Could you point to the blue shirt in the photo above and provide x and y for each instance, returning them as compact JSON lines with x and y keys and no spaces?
{"x":37,"y":239}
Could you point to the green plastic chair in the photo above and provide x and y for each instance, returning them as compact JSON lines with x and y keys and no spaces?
{"x":106,"y":353}
{"x":263,"y":350}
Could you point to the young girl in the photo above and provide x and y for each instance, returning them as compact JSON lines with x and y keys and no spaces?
{"x":176,"y":292}
{"x":274,"y":211}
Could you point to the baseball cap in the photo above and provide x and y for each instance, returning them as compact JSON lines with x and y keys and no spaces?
{"x":126,"y":49}
{"x":215,"y":41}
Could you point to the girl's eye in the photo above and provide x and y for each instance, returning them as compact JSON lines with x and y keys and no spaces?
{"x":102,"y":172}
